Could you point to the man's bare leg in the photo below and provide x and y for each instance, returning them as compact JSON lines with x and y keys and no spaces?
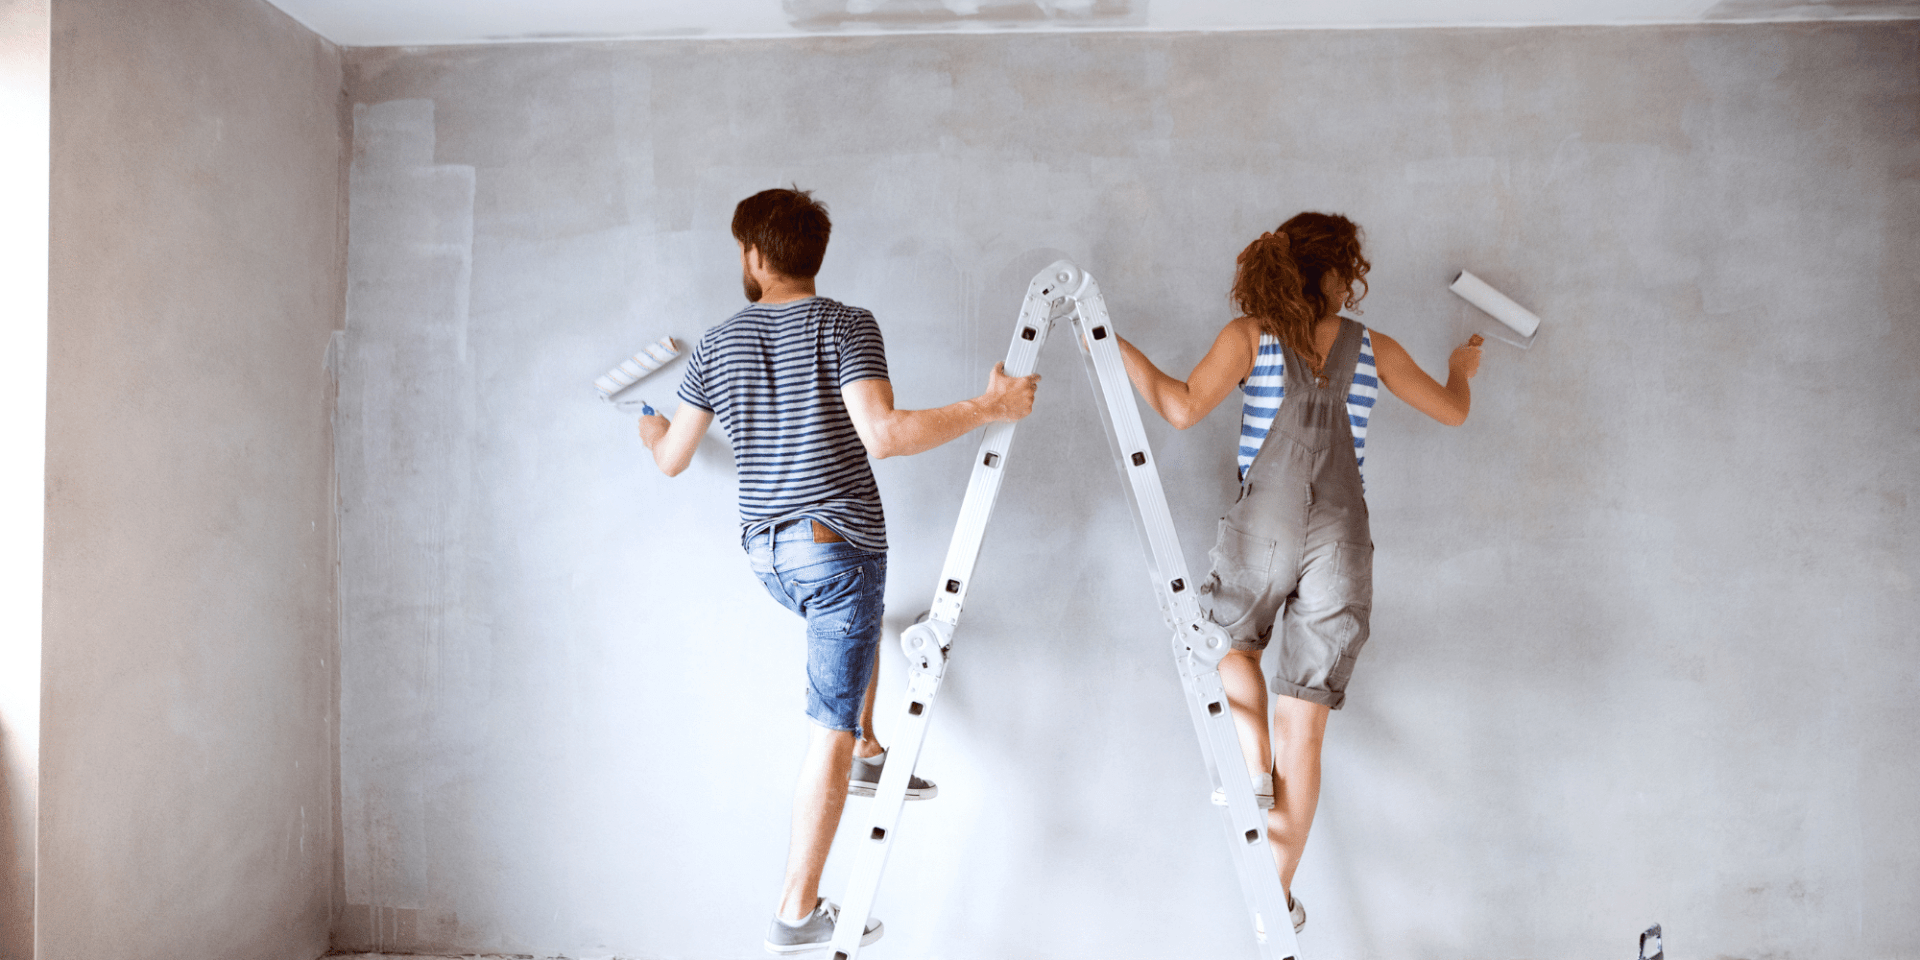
{"x":817,"y":802}
{"x":1299,"y":728}
{"x":869,"y":745}
{"x":1246,"y":690}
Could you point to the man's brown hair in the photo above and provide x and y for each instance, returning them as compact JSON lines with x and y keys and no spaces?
{"x":788,"y":227}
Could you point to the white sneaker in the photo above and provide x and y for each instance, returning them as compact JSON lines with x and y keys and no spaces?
{"x":1262,"y":792}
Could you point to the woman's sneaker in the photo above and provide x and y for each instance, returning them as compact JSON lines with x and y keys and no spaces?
{"x":813,"y":933}
{"x":864,"y":779}
{"x":1262,"y":792}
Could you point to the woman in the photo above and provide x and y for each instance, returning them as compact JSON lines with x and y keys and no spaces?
{"x":1295,"y":548}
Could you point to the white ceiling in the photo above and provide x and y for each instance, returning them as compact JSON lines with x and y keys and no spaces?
{"x":364,"y":23}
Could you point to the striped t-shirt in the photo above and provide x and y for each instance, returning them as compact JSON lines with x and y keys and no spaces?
{"x":772,"y":375}
{"x":1266,"y":386}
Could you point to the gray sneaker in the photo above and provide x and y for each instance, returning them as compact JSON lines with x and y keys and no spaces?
{"x":816,"y":933}
{"x":864,"y":779}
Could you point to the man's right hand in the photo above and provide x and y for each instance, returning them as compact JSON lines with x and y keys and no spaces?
{"x":652,"y":428}
{"x":1009,"y":398}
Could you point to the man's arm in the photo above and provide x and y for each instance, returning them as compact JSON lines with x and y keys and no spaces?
{"x":887,"y":432}
{"x":673,"y":442}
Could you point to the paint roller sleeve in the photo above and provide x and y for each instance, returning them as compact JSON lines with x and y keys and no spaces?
{"x":1497,"y":305}
{"x":628,"y":373}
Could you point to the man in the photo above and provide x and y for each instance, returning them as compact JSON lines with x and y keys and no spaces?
{"x":799,"y":382}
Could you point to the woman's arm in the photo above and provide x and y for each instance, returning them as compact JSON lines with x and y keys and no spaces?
{"x":1184,"y":403}
{"x":1446,"y":404}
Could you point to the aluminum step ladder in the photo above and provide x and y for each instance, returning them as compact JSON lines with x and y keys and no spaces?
{"x":1065,"y":292}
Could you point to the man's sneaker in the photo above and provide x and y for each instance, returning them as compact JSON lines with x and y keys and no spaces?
{"x":865,"y":778}
{"x":816,"y":933}
{"x":1262,"y":792}
{"x":1298,"y":912}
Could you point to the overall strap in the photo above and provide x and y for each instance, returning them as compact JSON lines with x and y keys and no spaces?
{"x":1343,"y":358}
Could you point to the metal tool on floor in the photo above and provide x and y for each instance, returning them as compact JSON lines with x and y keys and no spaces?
{"x":1652,"y":937}
{"x":1065,"y":292}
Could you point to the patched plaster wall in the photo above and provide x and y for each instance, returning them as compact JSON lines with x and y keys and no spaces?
{"x":1642,"y":648}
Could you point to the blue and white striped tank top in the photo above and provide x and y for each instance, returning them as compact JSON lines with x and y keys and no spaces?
{"x":1266,"y":386}
{"x":772,"y":376}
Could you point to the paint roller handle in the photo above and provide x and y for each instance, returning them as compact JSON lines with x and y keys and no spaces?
{"x":1465,"y":361}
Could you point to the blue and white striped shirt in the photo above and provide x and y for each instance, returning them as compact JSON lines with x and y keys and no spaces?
{"x":1266,"y":386}
{"x":772,"y":375}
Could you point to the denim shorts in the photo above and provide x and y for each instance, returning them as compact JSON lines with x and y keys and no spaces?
{"x":839,"y":588}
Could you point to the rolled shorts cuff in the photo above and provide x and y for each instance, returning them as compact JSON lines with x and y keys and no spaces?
{"x":1255,"y":644}
{"x":829,"y":715}
{"x":1331,"y":699}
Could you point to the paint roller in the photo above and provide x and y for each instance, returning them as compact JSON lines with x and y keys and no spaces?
{"x":1499,"y":306}
{"x":652,"y":357}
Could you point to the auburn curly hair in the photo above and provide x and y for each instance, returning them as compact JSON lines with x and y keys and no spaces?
{"x":1277,"y":277}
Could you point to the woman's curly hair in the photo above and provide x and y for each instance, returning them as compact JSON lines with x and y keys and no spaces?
{"x":1277,"y":278}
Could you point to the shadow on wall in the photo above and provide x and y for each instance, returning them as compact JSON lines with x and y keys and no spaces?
{"x":16,"y":883}
{"x":937,"y":14}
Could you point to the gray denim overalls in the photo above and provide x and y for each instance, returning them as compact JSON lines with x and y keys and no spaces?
{"x":1295,"y":546}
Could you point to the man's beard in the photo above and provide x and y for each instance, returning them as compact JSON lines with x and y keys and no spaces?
{"x":751,"y":286}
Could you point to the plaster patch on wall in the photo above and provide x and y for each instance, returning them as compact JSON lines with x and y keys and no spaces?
{"x":404,"y":448}
{"x":949,"y":14}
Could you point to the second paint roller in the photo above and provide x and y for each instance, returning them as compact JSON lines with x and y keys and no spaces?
{"x":1498,"y":306}
{"x":629,"y":372}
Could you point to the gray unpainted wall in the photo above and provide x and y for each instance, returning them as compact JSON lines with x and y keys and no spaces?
{"x":1642,"y":648}
{"x":187,"y":763}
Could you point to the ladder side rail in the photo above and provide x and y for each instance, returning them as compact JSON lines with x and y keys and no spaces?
{"x":1198,"y":645}
{"x":926,"y":643}
{"x":1242,"y":818}
{"x":989,"y":463}
{"x":1139,"y":471}
{"x":1134,"y":514}
{"x":926,"y":668}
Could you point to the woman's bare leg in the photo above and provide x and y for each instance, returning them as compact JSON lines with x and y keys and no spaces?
{"x":1299,"y":727}
{"x":1247,"y":694}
